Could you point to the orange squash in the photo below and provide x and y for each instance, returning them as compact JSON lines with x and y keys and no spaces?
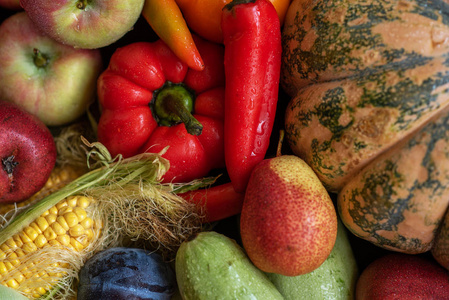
{"x":369,"y":112}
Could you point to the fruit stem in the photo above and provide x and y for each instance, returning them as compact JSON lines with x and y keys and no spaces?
{"x":81,"y":4}
{"x":281,"y":140}
{"x":40,"y":60}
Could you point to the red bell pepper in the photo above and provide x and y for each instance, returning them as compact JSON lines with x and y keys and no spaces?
{"x":252,"y":40}
{"x":150,"y":99}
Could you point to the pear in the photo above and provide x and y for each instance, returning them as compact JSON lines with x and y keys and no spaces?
{"x":335,"y":279}
{"x":288,"y":223}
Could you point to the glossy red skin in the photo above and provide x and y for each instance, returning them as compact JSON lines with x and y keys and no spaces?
{"x":252,"y":39}
{"x":219,"y":202}
{"x":30,"y":141}
{"x":403,"y":276}
{"x":127,"y":126}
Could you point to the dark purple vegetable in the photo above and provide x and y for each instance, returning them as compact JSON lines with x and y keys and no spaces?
{"x":126,"y":273}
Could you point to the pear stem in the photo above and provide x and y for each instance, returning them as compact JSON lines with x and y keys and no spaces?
{"x":281,"y":140}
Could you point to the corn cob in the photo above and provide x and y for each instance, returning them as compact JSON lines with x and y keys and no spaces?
{"x":66,"y":226}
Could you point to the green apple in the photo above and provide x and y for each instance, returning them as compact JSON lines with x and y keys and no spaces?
{"x":84,"y":23}
{"x":52,"y":81}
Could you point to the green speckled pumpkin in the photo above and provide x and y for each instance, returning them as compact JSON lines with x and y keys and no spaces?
{"x":369,"y":110}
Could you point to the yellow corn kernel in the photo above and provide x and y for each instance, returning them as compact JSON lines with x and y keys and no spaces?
{"x":77,"y":245}
{"x":58,"y":229}
{"x":13,"y":259}
{"x":5,"y":248}
{"x":36,"y":227}
{"x":30,"y":232}
{"x":61,"y":204}
{"x":19,"y":252}
{"x":89,"y":234}
{"x":50,"y":234}
{"x":77,"y":230}
{"x":54,"y":243}
{"x":42,"y":273}
{"x":18,"y":240}
{"x":40,"y":241}
{"x":51,"y":218}
{"x":42,"y":223}
{"x":65,"y":209}
{"x":12,"y":283}
{"x":63,"y":239}
{"x":10,"y":242}
{"x":24,"y":237}
{"x":19,"y":278}
{"x":83,"y":202}
{"x":53,"y":210}
{"x":40,"y":291}
{"x":72,"y":201}
{"x":9,"y":266}
{"x":80,"y":213}
{"x":87,"y":223}
{"x":27,"y":272}
{"x":71,"y":219}
{"x":3,"y":268}
{"x":62,"y":222}
{"x":29,"y":247}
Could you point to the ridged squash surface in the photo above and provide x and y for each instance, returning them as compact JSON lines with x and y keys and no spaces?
{"x":369,"y":84}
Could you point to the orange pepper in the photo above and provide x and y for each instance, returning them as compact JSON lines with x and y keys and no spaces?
{"x":167,"y":21}
{"x":204,"y":16}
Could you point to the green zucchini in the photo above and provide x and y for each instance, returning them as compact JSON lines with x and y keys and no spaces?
{"x":213,"y":266}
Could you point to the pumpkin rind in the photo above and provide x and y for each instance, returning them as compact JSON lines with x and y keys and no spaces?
{"x":337,"y":127}
{"x":369,"y":82}
{"x":329,"y":40}
{"x":399,"y":200}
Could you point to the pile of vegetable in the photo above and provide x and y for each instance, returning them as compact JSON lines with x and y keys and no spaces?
{"x":175,"y":181}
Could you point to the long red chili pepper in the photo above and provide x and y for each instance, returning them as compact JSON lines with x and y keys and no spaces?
{"x":252,"y":40}
{"x":167,"y":21}
{"x":219,"y":202}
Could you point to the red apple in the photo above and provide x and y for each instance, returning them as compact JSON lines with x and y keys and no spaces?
{"x":403,"y":276}
{"x":53,"y":81}
{"x":84,"y":23}
{"x":27,"y":153}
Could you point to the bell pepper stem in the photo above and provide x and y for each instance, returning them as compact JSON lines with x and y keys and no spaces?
{"x":173,"y":104}
{"x":177,"y":107}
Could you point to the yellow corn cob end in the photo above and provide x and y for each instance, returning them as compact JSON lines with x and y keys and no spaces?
{"x":66,"y":226}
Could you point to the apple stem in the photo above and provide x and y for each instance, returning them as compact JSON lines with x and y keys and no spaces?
{"x":40,"y":60}
{"x":81,"y":4}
